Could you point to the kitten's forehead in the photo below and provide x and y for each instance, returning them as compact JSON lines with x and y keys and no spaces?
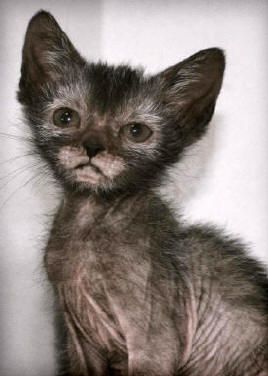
{"x":111,"y":87}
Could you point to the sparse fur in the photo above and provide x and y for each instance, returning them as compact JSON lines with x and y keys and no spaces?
{"x":138,"y":292}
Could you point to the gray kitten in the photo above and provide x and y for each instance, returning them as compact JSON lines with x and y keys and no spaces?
{"x":140,"y":293}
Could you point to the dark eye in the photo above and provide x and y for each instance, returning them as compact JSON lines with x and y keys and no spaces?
{"x":136,"y":132}
{"x":66,"y":117}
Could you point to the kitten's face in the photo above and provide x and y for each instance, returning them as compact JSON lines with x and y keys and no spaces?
{"x":105,"y":128}
{"x":101,"y":131}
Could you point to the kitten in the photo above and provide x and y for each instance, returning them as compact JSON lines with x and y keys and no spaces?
{"x":141,"y":294}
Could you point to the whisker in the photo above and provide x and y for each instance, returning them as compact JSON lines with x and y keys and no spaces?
{"x":31,"y":179}
{"x":10,"y":173}
{"x":45,"y":174}
{"x":15,"y":173}
{"x":15,"y":158}
{"x":17,"y":137}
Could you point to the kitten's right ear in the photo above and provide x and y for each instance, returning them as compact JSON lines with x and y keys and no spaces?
{"x":46,"y":52}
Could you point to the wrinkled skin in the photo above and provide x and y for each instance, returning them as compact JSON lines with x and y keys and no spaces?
{"x":147,"y":297}
{"x":138,"y":293}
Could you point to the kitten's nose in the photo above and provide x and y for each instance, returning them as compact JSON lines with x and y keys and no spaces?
{"x":93,"y":148}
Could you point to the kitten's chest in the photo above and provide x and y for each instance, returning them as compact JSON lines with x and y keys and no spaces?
{"x":71,"y":251}
{"x":94,"y":238}
{"x":90,"y":251}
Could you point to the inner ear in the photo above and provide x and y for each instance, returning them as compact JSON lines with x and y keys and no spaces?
{"x":190,"y":88}
{"x":46,"y":52}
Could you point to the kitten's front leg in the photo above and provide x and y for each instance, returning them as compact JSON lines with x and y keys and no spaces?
{"x":77,"y":356}
{"x":149,"y":314}
{"x":83,"y":360}
{"x":153,"y":346}
{"x":141,"y":364}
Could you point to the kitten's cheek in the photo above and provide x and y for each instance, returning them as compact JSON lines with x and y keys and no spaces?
{"x":70,"y":157}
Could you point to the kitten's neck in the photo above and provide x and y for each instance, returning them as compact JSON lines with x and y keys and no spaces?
{"x":106,"y":198}
{"x":92,"y":211}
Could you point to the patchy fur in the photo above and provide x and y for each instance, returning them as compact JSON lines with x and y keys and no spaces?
{"x":139,"y":293}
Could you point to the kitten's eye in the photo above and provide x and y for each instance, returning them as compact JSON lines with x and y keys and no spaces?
{"x":66,"y":117}
{"x":136,"y":132}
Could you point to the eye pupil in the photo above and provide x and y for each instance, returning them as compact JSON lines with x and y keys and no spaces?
{"x":66,"y":117}
{"x":135,"y":130}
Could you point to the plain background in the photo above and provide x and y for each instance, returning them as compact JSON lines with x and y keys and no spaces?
{"x":224,"y":180}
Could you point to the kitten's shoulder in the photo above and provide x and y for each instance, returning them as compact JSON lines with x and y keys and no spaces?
{"x":225,"y":261}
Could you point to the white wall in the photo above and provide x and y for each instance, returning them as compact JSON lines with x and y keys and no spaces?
{"x":225,"y":183}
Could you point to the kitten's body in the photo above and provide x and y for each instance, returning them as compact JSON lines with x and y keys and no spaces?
{"x":175,"y":300}
{"x":140,"y":293}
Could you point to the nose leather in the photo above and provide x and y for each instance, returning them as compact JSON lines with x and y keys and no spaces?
{"x":93,"y":145}
{"x":93,"y":149}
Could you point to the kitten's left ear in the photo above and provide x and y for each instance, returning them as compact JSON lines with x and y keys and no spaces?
{"x":189,"y":90}
{"x":47,"y":51}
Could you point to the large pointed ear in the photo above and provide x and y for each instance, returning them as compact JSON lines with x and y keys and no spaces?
{"x":190,"y":89}
{"x":47,"y":52}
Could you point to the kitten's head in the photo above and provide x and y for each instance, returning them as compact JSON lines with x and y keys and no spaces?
{"x":105,"y":128}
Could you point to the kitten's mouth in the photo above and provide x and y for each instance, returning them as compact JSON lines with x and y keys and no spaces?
{"x":88,"y":173}
{"x":89,"y":165}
